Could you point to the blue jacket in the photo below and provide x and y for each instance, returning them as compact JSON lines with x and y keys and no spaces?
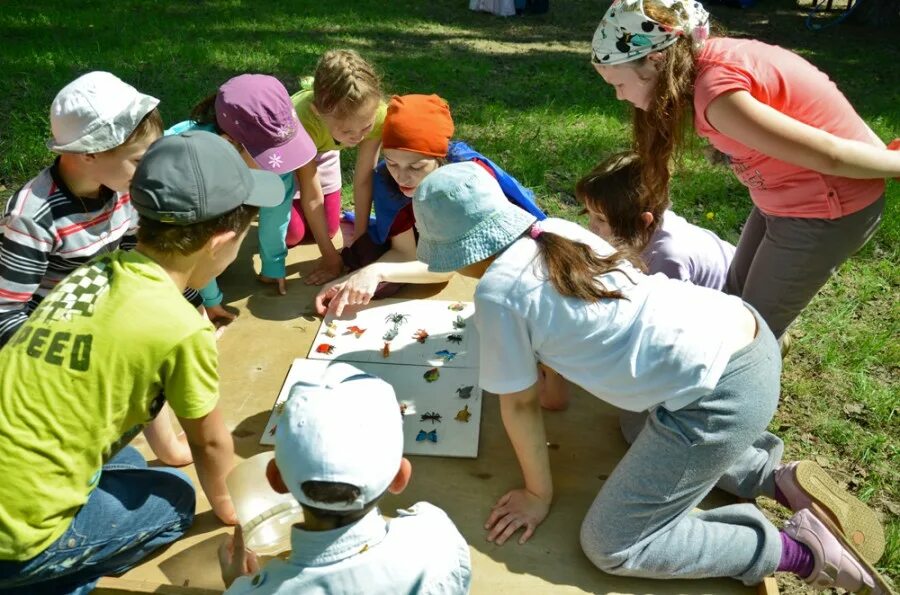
{"x":388,"y":200}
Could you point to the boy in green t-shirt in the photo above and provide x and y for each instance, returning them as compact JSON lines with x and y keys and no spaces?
{"x":97,"y":360}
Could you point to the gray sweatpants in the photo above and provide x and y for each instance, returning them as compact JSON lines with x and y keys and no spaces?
{"x":782,"y":262}
{"x":641,"y":523}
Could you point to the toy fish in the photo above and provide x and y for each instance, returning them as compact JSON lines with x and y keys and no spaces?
{"x":464,"y":392}
{"x":355,"y":330}
{"x":331,"y":329}
{"x":421,"y":335}
{"x":459,"y":322}
{"x":386,"y":350}
{"x":445,"y":355}
{"x":422,"y":436}
{"x":455,"y":338}
{"x":463,"y":415}
{"x":325,"y":348}
{"x":456,"y":307}
{"x":431,"y":375}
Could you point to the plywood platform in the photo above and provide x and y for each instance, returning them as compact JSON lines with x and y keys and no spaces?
{"x":255,"y":353}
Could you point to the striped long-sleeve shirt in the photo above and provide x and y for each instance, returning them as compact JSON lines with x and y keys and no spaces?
{"x":46,"y":233}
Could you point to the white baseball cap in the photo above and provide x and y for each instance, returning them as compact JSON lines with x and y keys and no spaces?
{"x":344,"y":427}
{"x":96,"y":112}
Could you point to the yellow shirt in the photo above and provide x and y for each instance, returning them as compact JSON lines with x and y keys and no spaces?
{"x":316,"y":128}
{"x":95,"y":362}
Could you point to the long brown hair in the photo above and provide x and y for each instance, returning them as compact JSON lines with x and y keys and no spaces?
{"x":573,"y":267}
{"x":613,"y":190}
{"x":659,"y":131}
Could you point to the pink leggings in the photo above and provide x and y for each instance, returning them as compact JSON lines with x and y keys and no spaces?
{"x":297,"y":228}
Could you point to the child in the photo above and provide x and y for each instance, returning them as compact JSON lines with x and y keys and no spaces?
{"x":343,"y":109}
{"x":254,"y":113}
{"x":78,"y":207}
{"x":338,"y":449}
{"x":701,"y":362}
{"x":814,"y":169}
{"x":98,"y":359}
{"x":416,"y":141}
{"x":668,"y":244}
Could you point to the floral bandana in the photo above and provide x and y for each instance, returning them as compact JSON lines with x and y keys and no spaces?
{"x":625,"y":33}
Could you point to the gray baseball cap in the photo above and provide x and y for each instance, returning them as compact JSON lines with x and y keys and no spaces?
{"x":196,"y":176}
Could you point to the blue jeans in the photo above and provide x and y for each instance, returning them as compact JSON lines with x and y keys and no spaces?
{"x":132,"y":511}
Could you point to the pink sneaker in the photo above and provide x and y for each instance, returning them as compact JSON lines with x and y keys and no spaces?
{"x":835,"y":566}
{"x":805,"y":485}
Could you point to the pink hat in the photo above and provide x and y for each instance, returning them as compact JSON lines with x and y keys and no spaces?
{"x":256,"y":111}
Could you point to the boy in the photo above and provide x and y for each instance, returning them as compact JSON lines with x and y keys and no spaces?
{"x":338,"y":448}
{"x":97,"y":360}
{"x":78,"y":207}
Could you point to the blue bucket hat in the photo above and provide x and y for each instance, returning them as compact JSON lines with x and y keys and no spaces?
{"x":463,"y":217}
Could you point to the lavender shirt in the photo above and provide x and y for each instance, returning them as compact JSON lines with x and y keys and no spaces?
{"x":682,"y":250}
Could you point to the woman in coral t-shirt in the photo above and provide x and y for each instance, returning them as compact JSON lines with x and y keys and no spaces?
{"x":814,"y":169}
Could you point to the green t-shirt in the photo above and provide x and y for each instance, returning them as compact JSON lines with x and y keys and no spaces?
{"x":316,"y":128}
{"x":95,"y":362}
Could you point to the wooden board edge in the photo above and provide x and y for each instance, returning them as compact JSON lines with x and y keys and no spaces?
{"x":119,"y":586}
{"x":769,"y":586}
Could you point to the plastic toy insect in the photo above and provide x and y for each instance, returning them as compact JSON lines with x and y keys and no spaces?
{"x":431,"y":375}
{"x":386,"y":350}
{"x":431,"y":416}
{"x":459,"y":322}
{"x":331,"y":329}
{"x":420,"y":335}
{"x":403,"y":407}
{"x":396,"y":318}
{"x":464,"y":392}
{"x":422,"y":436}
{"x":279,"y":409}
{"x":355,"y":330}
{"x":325,"y":348}
{"x":454,"y":338}
{"x":390,"y":334}
{"x":463,"y":414}
{"x":272,"y":431}
{"x":456,"y":307}
{"x":445,"y":355}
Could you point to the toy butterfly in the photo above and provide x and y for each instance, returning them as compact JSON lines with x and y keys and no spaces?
{"x":355,"y":330}
{"x":445,"y":355}
{"x":422,"y":436}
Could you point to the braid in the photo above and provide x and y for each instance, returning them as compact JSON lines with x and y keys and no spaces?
{"x":344,"y":83}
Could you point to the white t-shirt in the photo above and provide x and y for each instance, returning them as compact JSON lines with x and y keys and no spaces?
{"x":665,"y":344}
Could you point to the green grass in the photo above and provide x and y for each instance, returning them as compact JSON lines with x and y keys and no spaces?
{"x":522,"y":91}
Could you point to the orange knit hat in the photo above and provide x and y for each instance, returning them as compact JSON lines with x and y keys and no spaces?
{"x":418,"y":123}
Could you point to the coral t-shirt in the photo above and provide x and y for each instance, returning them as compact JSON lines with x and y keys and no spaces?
{"x":785,"y":81}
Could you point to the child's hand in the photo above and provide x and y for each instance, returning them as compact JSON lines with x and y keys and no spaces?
{"x":357,"y":290}
{"x":330,"y":267}
{"x":515,"y":510}
{"x":277,"y":281}
{"x":235,"y":559}
{"x":218,"y":315}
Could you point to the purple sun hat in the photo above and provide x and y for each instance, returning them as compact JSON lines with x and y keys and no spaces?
{"x":256,"y":111}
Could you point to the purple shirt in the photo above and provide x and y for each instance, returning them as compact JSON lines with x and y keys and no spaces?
{"x":682,"y":250}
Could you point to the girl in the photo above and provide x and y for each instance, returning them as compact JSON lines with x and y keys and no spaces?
{"x":701,"y":362}
{"x":343,"y":109}
{"x":814,"y":169}
{"x":254,"y":113}
{"x":668,"y":244}
{"x":416,"y":141}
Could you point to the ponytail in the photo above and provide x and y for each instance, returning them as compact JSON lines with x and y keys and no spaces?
{"x":573,"y":267}
{"x":205,"y":112}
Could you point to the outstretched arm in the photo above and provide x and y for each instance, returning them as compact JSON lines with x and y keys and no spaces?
{"x":741,"y":117}
{"x":397,"y":265}
{"x":526,"y":507}
{"x":366,"y":160}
